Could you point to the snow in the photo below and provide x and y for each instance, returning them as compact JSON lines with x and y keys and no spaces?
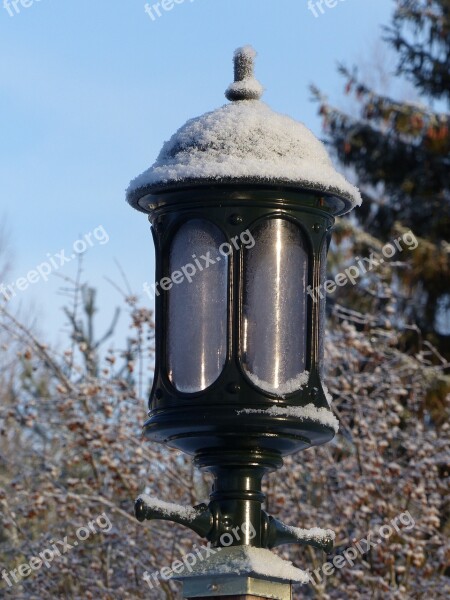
{"x":308,"y":412}
{"x":328,"y":396}
{"x":169,"y":509}
{"x":292,"y":385}
{"x":247,"y":560}
{"x":264,"y":562}
{"x":315,"y":534}
{"x":246,"y":142}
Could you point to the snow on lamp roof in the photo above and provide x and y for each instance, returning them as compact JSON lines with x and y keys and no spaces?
{"x":244,"y":142}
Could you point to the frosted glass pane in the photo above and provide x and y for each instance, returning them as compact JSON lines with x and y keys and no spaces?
{"x":322,"y":308}
{"x":197,"y":315}
{"x":274,"y":323}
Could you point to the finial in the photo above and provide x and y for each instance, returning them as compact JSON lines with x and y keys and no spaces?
{"x":245,"y":86}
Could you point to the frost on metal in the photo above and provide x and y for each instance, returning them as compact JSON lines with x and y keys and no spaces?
{"x":245,"y":142}
{"x":303,"y":413}
{"x":169,"y":509}
{"x":292,"y":385}
{"x":245,"y":85}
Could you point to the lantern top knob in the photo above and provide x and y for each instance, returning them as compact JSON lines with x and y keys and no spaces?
{"x":245,"y":86}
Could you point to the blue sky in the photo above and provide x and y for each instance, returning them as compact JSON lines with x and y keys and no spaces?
{"x":91,"y":90}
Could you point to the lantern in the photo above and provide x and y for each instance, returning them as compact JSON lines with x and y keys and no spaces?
{"x":241,"y":201}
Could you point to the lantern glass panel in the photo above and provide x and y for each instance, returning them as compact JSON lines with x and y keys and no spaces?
{"x":274,"y":319}
{"x":197,"y":307}
{"x":322,"y":307}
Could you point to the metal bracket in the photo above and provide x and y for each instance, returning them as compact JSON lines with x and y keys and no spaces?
{"x":209,"y":523}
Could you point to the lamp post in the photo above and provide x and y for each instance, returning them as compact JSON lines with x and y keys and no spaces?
{"x":241,"y":201}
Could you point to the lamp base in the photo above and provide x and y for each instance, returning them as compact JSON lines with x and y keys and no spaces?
{"x":234,"y":515}
{"x":241,"y":571}
{"x":199,"y":429}
{"x":242,"y":587}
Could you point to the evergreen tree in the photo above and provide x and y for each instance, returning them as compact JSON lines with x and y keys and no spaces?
{"x":400,"y":153}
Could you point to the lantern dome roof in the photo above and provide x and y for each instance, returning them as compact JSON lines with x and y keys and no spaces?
{"x":244,"y":142}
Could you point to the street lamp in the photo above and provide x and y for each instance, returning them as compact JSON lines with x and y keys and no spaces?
{"x":241,"y":201}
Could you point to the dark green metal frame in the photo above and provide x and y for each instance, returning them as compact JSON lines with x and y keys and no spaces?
{"x":192,"y":422}
{"x":237,"y":449}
